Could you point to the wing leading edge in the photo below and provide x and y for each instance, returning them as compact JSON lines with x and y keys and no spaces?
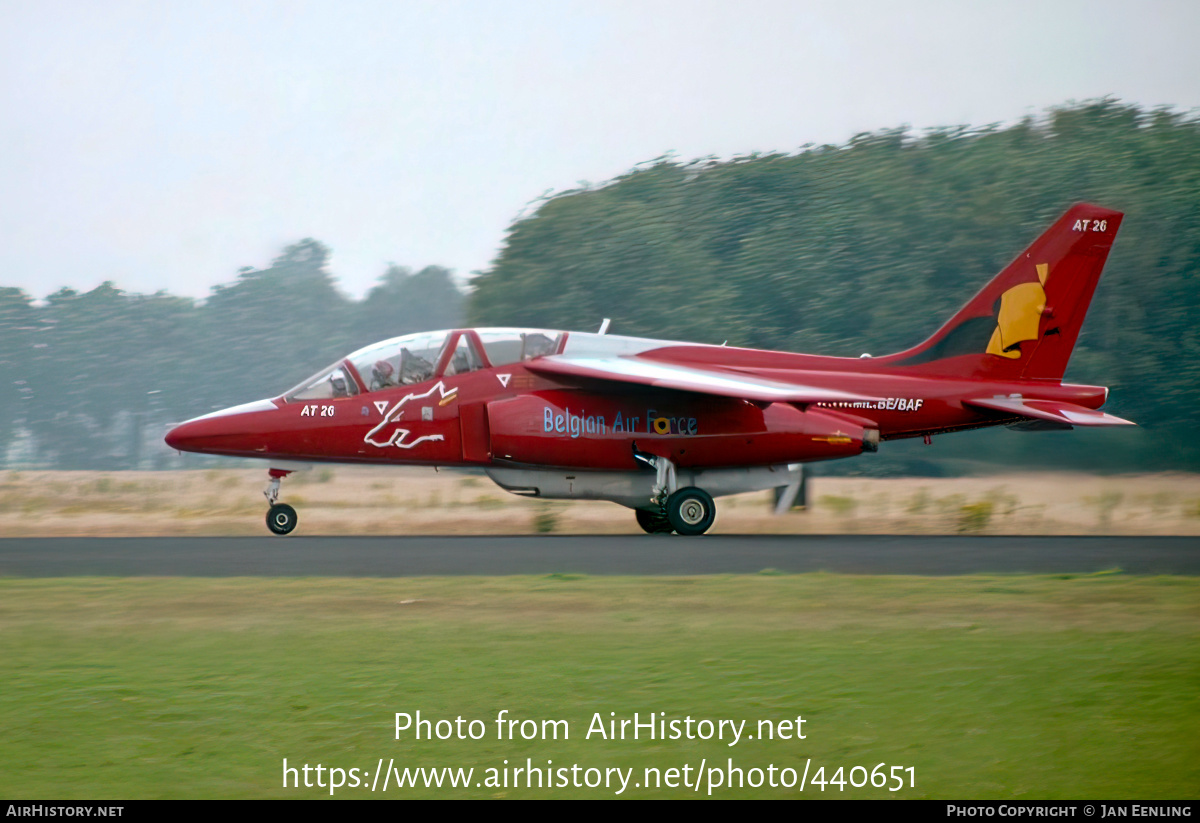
{"x":635,"y":370}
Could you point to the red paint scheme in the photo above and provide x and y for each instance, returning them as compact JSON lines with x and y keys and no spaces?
{"x":586,"y":404}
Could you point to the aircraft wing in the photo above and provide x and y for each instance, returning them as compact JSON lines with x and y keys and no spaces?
{"x":643,"y":372}
{"x":1057,"y":411}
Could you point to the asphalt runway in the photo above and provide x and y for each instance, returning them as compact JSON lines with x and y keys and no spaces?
{"x":625,"y":554}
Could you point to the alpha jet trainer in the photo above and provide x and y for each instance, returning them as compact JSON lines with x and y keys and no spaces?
{"x":663,"y":427}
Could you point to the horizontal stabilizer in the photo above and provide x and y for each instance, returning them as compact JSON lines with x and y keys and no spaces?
{"x":1057,"y":411}
{"x":661,"y":375}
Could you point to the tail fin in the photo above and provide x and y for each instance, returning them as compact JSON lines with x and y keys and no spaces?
{"x":1025,"y":322}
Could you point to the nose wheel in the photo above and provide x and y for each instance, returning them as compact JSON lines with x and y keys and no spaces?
{"x":281,"y":518}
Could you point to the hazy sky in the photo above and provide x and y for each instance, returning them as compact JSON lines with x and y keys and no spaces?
{"x":163,"y":145}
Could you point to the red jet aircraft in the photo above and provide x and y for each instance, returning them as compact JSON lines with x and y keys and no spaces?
{"x":662,"y":427}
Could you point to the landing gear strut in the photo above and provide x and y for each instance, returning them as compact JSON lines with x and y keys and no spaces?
{"x":281,"y":518}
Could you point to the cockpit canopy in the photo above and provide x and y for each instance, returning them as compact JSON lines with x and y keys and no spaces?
{"x":415,"y":358}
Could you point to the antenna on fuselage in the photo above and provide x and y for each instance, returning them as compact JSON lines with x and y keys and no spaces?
{"x":604,"y":326}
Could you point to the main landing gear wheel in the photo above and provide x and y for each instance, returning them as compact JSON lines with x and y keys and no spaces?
{"x":691,"y":511}
{"x":653,"y":522}
{"x":281,"y":518}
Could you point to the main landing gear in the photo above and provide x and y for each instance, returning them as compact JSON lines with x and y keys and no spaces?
{"x":653,"y":521}
{"x":691,"y":511}
{"x":686,"y":511}
{"x":281,"y":518}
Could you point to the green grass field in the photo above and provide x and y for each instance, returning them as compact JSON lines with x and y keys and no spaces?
{"x":987,"y":687}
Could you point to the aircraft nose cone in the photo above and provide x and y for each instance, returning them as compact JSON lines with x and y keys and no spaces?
{"x":236,"y":430}
{"x":202,"y":435}
{"x":183,"y":437}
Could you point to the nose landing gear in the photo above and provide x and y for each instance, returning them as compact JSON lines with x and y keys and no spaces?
{"x":281,"y":518}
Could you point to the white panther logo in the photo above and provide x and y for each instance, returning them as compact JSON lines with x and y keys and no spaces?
{"x":399,"y":436}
